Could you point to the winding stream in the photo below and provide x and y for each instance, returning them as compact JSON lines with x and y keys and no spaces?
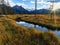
{"x":37,"y":27}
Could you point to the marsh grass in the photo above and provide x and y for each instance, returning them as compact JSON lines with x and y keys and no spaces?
{"x":13,"y":34}
{"x":40,"y":19}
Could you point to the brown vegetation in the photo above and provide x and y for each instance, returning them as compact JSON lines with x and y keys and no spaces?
{"x":40,"y":19}
{"x":14,"y":34}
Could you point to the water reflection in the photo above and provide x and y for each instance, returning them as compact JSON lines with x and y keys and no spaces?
{"x":31,"y":25}
{"x":37,"y":27}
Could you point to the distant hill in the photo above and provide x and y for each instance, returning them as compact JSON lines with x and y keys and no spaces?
{"x":21,"y":10}
{"x":41,"y":11}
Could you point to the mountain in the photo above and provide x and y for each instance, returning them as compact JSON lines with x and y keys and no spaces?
{"x":30,"y":9}
{"x":41,"y":11}
{"x":19,"y":9}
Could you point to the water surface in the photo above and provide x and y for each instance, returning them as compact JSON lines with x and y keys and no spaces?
{"x":37,"y":27}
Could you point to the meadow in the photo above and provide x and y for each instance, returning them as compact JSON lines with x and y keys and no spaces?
{"x":44,"y":20}
{"x":13,"y":34}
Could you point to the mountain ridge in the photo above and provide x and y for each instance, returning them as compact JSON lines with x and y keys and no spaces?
{"x":22,"y":10}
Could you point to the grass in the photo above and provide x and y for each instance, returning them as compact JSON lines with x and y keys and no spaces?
{"x":40,"y":19}
{"x":14,"y":34}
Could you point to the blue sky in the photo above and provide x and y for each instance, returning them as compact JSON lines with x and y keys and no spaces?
{"x":30,"y":4}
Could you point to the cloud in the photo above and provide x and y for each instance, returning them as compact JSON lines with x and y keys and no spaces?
{"x":45,"y":4}
{"x":24,"y":0}
{"x":22,"y":4}
{"x":10,"y":2}
{"x":32,"y":2}
{"x":57,"y":5}
{"x":19,"y":4}
{"x":39,"y":2}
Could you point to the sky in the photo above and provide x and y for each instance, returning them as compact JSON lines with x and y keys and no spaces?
{"x":30,"y":4}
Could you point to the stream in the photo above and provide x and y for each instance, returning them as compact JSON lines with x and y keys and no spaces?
{"x":37,"y":27}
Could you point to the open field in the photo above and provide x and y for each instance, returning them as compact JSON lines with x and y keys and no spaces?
{"x":13,"y":34}
{"x":40,"y":19}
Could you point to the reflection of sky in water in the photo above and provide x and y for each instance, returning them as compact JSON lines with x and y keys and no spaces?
{"x":57,"y":32}
{"x":25,"y":24}
{"x":37,"y":27}
{"x":41,"y":28}
{"x":32,"y":25}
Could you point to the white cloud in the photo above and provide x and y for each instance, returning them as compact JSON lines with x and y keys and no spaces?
{"x":19,"y":4}
{"x":57,"y":5}
{"x":32,"y":2}
{"x":24,"y":0}
{"x":42,"y":3}
{"x":39,"y":2}
{"x":10,"y":2}
{"x":45,"y":4}
{"x":22,"y":4}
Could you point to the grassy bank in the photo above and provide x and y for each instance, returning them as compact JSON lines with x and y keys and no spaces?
{"x":14,"y":34}
{"x":39,"y":19}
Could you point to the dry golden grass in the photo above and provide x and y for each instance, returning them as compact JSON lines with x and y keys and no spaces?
{"x":13,"y":34}
{"x":39,"y":18}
